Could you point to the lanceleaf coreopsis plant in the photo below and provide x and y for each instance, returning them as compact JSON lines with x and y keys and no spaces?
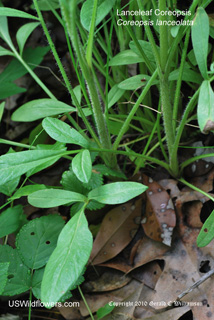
{"x":50,"y":257}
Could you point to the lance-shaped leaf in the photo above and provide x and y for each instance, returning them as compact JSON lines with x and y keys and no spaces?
{"x":26,"y":190}
{"x":10,"y":12}
{"x":206,"y":234}
{"x":16,"y":164}
{"x":40,"y":108}
{"x":5,"y":52}
{"x":54,"y":197}
{"x":23,"y":33}
{"x":200,"y":37}
{"x":104,"y":6}
{"x":117,"y":192}
{"x":62,"y":132}
{"x":82,"y":166}
{"x":67,"y":262}
{"x":205,"y":111}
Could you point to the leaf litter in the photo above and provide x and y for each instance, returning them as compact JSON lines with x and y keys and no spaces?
{"x":144,"y":273}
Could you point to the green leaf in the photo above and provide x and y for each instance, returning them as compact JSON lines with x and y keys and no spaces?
{"x":205,"y":110}
{"x":36,"y":282}
{"x":23,"y":33}
{"x":188,"y":75}
{"x":146,"y":48}
{"x":2,"y":105}
{"x":36,"y":285}
{"x":104,"y":311}
{"x":5,"y":52}
{"x":71,"y":183}
{"x":114,"y":127}
{"x":27,"y":190}
{"x":125,"y":57}
{"x":101,"y":168}
{"x":8,"y":89}
{"x":67,"y":262}
{"x":117,"y":192}
{"x":94,"y":205}
{"x":135,"y":82}
{"x":54,"y":197}
{"x":14,"y":165}
{"x":104,"y":7}
{"x":200,"y":39}
{"x":61,"y":131}
{"x":3,"y":275}
{"x":56,"y":146}
{"x":82,"y":166}
{"x":4,"y":32}
{"x":19,"y":276}
{"x":11,"y":220}
{"x":206,"y":234}
{"x":114,"y":95}
{"x":78,"y":94}
{"x":41,"y":108}
{"x":95,"y":181}
{"x":9,"y":187}
{"x":10,"y":12}
{"x":36,"y":240}
{"x":15,"y":70}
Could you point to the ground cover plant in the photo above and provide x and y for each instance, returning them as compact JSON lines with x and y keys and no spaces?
{"x":121,"y":120}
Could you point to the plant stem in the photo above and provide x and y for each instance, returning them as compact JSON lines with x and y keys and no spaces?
{"x":134,"y":109}
{"x":196,"y":189}
{"x":34,"y":76}
{"x":30,"y":299}
{"x":168,"y":125}
{"x":136,"y":155}
{"x":179,"y":81}
{"x":70,"y":17}
{"x":64,"y":75}
{"x":16,"y":144}
{"x":179,"y":36}
{"x":163,"y":36}
{"x":191,"y":160}
{"x":86,"y":304}
{"x":150,"y":37}
{"x":91,"y":35}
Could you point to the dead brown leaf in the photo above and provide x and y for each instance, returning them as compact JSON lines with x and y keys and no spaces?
{"x":108,"y":281}
{"x":160,"y":218}
{"x":148,"y":274}
{"x":117,"y":229}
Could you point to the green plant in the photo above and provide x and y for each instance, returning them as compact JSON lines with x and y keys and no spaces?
{"x":92,"y":145}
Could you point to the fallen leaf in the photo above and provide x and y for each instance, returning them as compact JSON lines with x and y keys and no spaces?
{"x":173,"y":314}
{"x":69,"y":313}
{"x":160,"y":219}
{"x":96,"y":301}
{"x":178,"y":274}
{"x":147,"y":251}
{"x":117,"y":229}
{"x":108,"y":281}
{"x":148,"y":274}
